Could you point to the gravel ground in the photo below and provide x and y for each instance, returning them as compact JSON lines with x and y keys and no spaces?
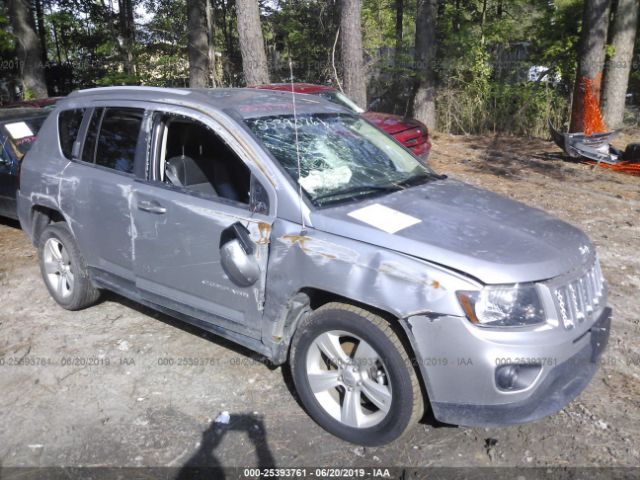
{"x":121,"y":385}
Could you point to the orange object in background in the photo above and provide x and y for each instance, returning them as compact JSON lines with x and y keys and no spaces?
{"x":586,"y":121}
{"x":630,"y":168}
{"x":593,"y":122}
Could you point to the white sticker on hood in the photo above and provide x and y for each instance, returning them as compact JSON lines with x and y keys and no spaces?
{"x":384,"y":218}
{"x":18,"y":130}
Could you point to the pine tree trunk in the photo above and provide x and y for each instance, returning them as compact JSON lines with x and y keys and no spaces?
{"x":254,"y":58}
{"x":198,"y":44}
{"x":131,"y":36}
{"x":397,"y":60}
{"x":127,"y":34}
{"x":425,"y":97}
{"x":399,"y":26}
{"x":41,"y":30}
{"x":355,"y":85}
{"x":65,"y":41}
{"x":211,"y":52}
{"x":56,"y":41}
{"x":595,"y":22}
{"x":28,"y":49}
{"x":618,"y":67}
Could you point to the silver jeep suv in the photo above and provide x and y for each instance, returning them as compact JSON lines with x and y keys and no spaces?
{"x":285,"y":223}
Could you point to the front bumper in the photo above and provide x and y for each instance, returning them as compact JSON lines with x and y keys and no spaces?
{"x":459,"y":369}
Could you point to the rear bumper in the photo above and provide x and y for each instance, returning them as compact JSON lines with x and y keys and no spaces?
{"x":557,"y":383}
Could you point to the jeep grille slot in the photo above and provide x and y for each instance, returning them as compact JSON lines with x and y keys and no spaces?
{"x":577,"y":299}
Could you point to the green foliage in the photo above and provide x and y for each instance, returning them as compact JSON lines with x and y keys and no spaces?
{"x":518,"y":109}
{"x":484,"y":52}
{"x":6,"y":39}
{"x":117,"y":78}
{"x":555,"y":38}
{"x":28,"y":94}
{"x":163,"y":61}
{"x":303,"y":32}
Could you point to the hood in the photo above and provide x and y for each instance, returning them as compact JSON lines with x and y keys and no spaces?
{"x":482,"y":234}
{"x":392,"y":124}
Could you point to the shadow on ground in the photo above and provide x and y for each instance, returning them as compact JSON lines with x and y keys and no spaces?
{"x":204,"y":463}
{"x":187,"y":327}
{"x":9,"y":222}
{"x":504,"y":157}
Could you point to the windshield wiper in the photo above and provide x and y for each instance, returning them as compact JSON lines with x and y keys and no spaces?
{"x":359,"y":189}
{"x":422,"y":178}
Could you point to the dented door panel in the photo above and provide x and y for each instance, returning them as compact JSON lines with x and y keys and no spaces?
{"x":177,"y":256}
{"x":96,"y":202}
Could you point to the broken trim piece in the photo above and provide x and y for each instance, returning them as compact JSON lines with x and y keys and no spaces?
{"x":594,"y":147}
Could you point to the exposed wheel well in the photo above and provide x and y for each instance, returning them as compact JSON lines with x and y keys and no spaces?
{"x":319,"y":298}
{"x":40,"y":218}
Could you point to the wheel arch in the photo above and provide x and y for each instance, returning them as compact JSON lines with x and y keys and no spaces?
{"x":41,"y":217}
{"x":387,"y":343}
{"x":308,"y":299}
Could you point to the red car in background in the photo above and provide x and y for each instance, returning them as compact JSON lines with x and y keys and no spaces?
{"x":412,"y":133}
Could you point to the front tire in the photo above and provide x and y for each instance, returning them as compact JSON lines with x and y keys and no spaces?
{"x":353,"y":375}
{"x":64,"y":270}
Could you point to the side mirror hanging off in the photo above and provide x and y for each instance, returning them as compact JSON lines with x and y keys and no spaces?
{"x":236,"y":255}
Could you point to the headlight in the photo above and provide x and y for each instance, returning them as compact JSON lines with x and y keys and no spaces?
{"x":504,"y":306}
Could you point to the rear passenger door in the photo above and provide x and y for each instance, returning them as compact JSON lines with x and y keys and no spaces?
{"x":199,"y":199}
{"x":97,"y":188}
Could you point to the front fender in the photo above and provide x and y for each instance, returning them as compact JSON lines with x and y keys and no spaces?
{"x":370,"y":275}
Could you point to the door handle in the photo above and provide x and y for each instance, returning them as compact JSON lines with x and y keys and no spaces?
{"x":151,"y":206}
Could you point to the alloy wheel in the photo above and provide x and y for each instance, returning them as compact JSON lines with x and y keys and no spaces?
{"x":57,"y":265}
{"x":349,"y":379}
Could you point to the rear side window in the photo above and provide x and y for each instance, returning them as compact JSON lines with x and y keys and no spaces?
{"x":118,"y":138}
{"x":68,"y":127}
{"x":112,"y":138}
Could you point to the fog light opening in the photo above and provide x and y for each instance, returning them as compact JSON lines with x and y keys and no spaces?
{"x":516,"y":377}
{"x":507,"y":376}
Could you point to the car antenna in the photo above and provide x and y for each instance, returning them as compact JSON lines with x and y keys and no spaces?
{"x":295,"y":128}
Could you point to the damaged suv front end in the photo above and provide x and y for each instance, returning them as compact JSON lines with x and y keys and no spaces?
{"x":521,"y":352}
{"x":505,"y":307}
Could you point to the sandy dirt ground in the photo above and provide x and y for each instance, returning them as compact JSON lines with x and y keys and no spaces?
{"x":120,"y":385}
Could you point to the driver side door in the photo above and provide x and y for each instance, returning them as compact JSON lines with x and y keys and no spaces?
{"x":202,"y":237}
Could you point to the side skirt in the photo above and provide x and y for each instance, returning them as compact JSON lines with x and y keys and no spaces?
{"x":128,"y":289}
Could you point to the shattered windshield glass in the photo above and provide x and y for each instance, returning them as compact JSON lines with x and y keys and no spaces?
{"x":342,"y":157}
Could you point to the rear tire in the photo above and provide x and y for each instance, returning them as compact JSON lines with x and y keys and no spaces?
{"x":353,"y":375}
{"x":64,"y":270}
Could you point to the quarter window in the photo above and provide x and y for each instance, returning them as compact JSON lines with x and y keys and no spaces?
{"x":68,"y":127}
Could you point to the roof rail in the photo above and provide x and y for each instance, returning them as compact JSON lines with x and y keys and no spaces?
{"x":176,"y":91}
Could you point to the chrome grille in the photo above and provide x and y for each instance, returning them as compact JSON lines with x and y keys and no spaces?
{"x":577,"y":299}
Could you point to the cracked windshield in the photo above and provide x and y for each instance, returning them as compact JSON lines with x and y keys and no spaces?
{"x":342,"y":158}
